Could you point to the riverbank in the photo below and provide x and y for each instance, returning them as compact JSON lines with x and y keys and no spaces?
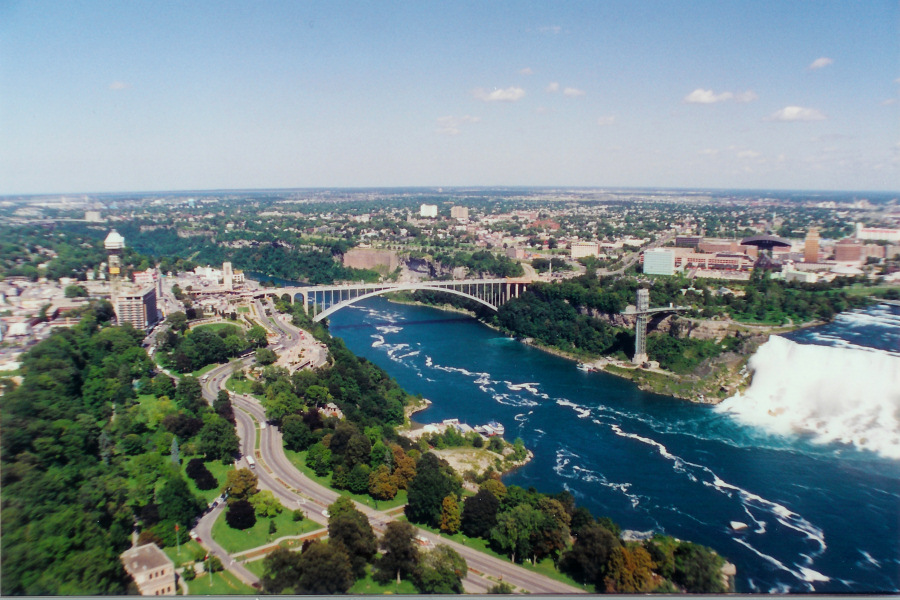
{"x":711,"y":382}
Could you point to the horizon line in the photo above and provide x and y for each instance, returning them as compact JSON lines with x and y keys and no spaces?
{"x":441,"y":188}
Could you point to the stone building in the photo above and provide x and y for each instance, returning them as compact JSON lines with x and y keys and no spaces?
{"x":151,"y":569}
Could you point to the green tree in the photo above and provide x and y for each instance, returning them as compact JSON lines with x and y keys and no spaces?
{"x":514,"y":531}
{"x":266,"y":504}
{"x":176,"y":503}
{"x":324,"y":569}
{"x":296,"y":433}
{"x":281,"y":571}
{"x":479,"y":514}
{"x":240,"y":484}
{"x":433,"y":482}
{"x":218,"y":439}
{"x":189,"y":395}
{"x":351,"y":529}
{"x":399,"y":552}
{"x":318,"y":458}
{"x":440,"y":571}
{"x":698,"y":569}
{"x":240,"y":515}
{"x":264,"y":356}
{"x":587,"y":560}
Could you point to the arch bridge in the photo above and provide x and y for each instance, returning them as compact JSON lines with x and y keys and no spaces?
{"x":325,"y":300}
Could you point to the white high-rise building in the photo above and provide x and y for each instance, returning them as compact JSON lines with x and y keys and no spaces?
{"x":428,"y":211}
{"x":659,"y":261}
{"x":227,"y":276}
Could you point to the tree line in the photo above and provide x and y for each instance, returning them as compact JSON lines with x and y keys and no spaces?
{"x":93,"y":445}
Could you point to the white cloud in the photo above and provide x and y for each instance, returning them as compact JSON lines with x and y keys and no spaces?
{"x":708,"y":152}
{"x":510,"y":94}
{"x":748,"y":154}
{"x":554,"y":29}
{"x":526,"y":71}
{"x":450,"y":125}
{"x":118,"y":86}
{"x":820,"y":63}
{"x":553,"y":87}
{"x":797,"y":113}
{"x":701,"y":96}
{"x":606,"y":120}
{"x":573,"y":92}
{"x":889,"y":101}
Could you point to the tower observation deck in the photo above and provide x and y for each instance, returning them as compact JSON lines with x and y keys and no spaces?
{"x":644,"y":312}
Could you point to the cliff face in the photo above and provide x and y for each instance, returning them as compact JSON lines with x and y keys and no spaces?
{"x":682,"y":327}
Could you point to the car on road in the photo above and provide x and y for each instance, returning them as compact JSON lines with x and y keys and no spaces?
{"x":326,"y":514}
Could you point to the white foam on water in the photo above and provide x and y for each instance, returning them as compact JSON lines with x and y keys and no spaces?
{"x":785,"y":516}
{"x":389,"y":329}
{"x":836,"y":394}
{"x":582,"y":411}
{"x":379,"y":341}
{"x":566,"y":467}
{"x":870,"y":559}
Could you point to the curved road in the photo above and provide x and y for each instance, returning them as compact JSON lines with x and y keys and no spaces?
{"x":295,"y":490}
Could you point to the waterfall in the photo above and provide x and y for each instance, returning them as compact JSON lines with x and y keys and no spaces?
{"x":836,"y":394}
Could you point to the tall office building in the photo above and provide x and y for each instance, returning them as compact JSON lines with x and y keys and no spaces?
{"x":137,"y":307}
{"x":428,"y":211}
{"x":460,"y":213}
{"x":811,"y":247}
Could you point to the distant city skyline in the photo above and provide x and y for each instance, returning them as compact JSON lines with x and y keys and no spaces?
{"x":125,"y":97}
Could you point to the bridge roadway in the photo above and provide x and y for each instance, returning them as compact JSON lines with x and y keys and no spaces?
{"x":295,"y":490}
{"x":489,"y":292}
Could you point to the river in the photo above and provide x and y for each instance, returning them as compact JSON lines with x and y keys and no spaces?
{"x":822,"y":515}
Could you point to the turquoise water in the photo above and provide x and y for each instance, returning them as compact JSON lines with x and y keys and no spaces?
{"x":821,"y":517}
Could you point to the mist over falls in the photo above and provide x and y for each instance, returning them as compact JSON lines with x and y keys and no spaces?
{"x":834,"y":394}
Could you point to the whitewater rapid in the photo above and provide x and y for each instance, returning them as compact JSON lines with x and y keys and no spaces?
{"x":833,"y":394}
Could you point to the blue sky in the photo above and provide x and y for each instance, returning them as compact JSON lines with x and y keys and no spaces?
{"x":132,"y":96}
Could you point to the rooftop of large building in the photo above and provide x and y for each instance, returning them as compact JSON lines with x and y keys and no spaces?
{"x":143,"y":558}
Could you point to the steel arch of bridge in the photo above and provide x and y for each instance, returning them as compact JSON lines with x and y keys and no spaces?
{"x":492,"y":293}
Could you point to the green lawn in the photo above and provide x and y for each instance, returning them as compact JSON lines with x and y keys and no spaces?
{"x":240,"y":386}
{"x":235,"y":540}
{"x":243,"y":309}
{"x":216,"y":327}
{"x":187,"y":553}
{"x":205,"y":370}
{"x":223,"y":584}
{"x":369,"y":586}
{"x":219,"y":471}
{"x":298,"y":459}
{"x":256,"y":567}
